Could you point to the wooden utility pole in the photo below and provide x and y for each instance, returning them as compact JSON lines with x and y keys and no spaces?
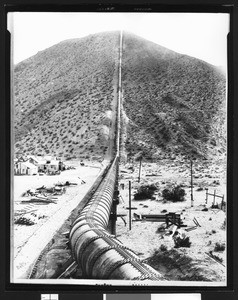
{"x":130,"y":208}
{"x":206,"y":195}
{"x":129,"y":205}
{"x":192,"y":183}
{"x":140,"y":169}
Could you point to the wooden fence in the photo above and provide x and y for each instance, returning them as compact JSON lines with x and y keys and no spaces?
{"x":214,"y":195}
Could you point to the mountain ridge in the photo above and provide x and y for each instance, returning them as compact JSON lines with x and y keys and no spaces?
{"x":65,"y":97}
{"x":188,"y":92}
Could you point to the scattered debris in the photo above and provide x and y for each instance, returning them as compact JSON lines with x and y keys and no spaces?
{"x":67,"y":183}
{"x":25,"y":221}
{"x":39,"y":200}
{"x":191,"y":228}
{"x":215,"y":257}
{"x":196,"y":222}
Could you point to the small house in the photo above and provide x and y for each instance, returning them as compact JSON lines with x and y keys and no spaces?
{"x":25,"y":168}
{"x":51,"y":166}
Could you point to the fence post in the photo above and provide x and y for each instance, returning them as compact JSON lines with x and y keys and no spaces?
{"x":214,"y":200}
{"x":222,"y":202}
{"x":206,"y":195}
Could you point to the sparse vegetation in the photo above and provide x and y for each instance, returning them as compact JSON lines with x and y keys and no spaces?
{"x":219,"y":247}
{"x":162,"y":113}
{"x":181,"y":241}
{"x":223,"y":227}
{"x":145,"y":192}
{"x":52,"y":107}
{"x":155,"y":111}
{"x":174,"y":194}
{"x":163,"y":248}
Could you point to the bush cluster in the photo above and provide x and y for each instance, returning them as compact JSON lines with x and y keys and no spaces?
{"x":174,"y":194}
{"x":145,"y":192}
{"x":182,"y":242}
{"x":163,"y":248}
{"x":219,"y":247}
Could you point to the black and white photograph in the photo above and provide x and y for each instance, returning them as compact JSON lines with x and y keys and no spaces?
{"x":119,"y":148}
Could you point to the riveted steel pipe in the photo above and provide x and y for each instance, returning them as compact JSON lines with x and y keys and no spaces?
{"x":100,"y":254}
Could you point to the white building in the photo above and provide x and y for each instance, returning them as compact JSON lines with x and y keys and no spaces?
{"x":25,"y":168}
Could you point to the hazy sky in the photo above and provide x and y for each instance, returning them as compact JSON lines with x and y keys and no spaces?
{"x":202,"y":35}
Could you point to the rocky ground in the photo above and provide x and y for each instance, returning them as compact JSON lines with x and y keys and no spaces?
{"x":154,"y":243}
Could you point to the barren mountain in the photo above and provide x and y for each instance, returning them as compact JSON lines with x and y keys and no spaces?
{"x":65,"y":99}
{"x":174,"y":104}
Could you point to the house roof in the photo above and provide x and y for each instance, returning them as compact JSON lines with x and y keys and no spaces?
{"x":28,"y":165}
{"x":33,"y":157}
{"x":37,"y":159}
{"x":54,"y":162}
{"x":42,"y":162}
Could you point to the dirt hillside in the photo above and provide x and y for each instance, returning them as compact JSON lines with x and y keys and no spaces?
{"x":65,"y":99}
{"x":174,"y":105}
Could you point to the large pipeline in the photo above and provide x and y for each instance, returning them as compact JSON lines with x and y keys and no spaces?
{"x":100,"y":254}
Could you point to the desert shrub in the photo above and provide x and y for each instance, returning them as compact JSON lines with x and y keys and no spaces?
{"x":175,"y":194}
{"x":145,"y":192}
{"x":199,"y":189}
{"x":182,"y":242}
{"x":163,"y":248}
{"x":219,"y":247}
{"x":161,"y":228}
{"x":216,"y":257}
{"x":223,"y":226}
